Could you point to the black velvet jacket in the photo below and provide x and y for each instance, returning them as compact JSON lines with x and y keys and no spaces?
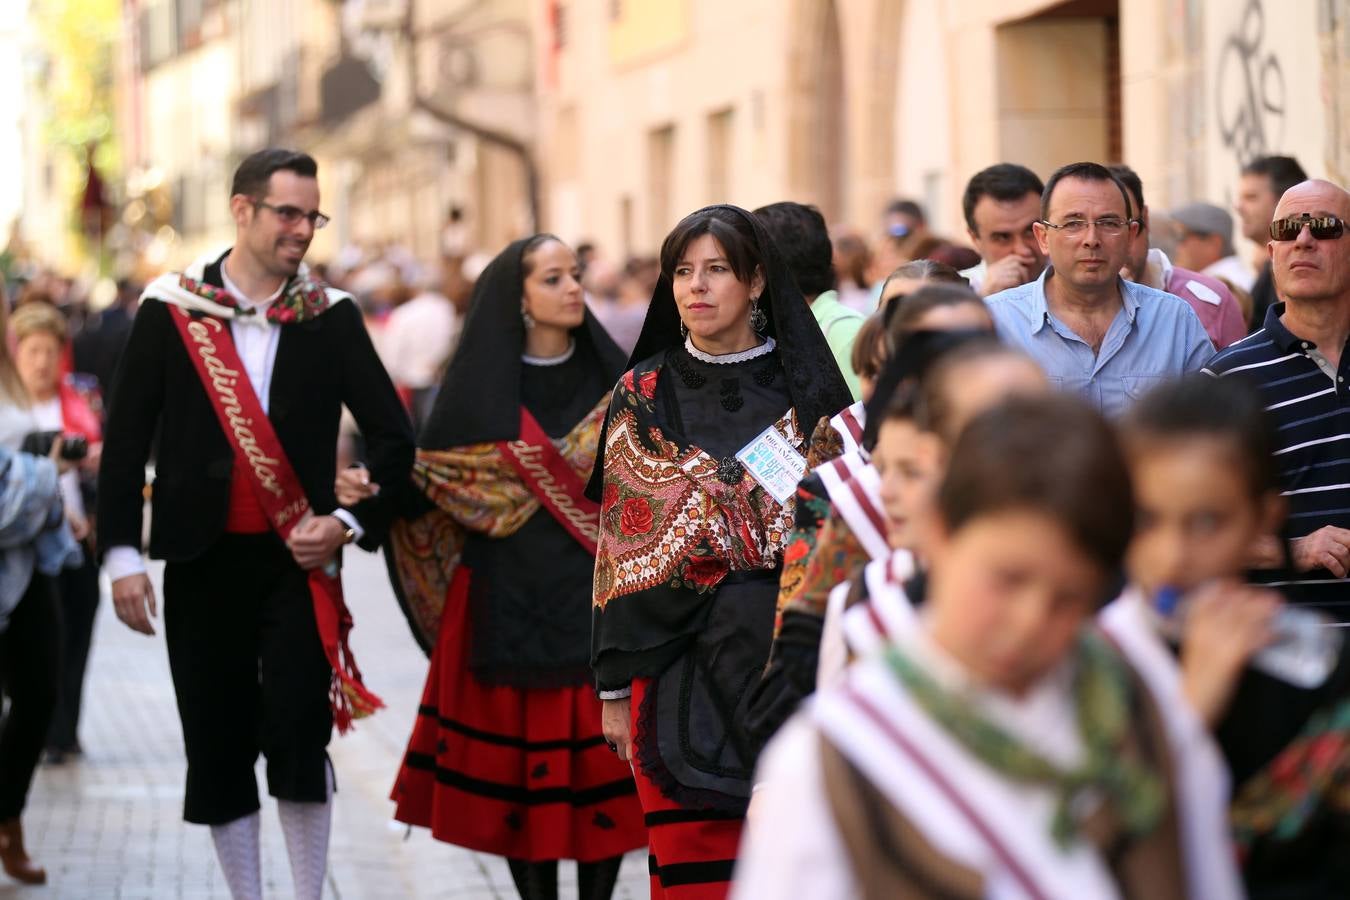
{"x":321,"y":365}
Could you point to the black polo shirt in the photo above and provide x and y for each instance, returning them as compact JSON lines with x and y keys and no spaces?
{"x":1311,"y":410}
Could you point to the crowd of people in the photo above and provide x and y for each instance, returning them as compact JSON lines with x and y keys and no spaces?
{"x":817,"y":566}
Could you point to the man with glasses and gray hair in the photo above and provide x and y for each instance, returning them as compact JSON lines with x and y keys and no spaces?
{"x":1095,"y":334}
{"x":1299,"y":362}
{"x":241,"y":366}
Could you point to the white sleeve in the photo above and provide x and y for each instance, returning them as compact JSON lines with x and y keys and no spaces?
{"x":833,"y":659}
{"x":348,"y":518}
{"x":70,"y":493}
{"x":790,"y":846}
{"x":119,"y":562}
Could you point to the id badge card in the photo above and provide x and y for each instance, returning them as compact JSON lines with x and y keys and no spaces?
{"x":774,"y":463}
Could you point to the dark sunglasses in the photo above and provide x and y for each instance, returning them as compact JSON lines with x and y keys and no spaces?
{"x":1323,"y":228}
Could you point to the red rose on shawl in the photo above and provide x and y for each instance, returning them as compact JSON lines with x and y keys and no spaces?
{"x":610,"y":498}
{"x":705,"y":570}
{"x":628,"y":380}
{"x":636,"y":517}
{"x":647,"y":385}
{"x":797,"y":550}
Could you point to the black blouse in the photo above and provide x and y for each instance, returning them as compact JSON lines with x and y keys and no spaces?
{"x":530,"y":593}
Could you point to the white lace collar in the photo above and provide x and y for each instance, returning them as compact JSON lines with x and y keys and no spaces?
{"x":724,"y":359}
{"x":550,"y":360}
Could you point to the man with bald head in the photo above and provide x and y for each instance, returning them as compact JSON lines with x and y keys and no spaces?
{"x":1299,"y":360}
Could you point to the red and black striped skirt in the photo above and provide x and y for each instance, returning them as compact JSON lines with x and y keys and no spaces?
{"x":693,"y":851}
{"x":518,"y":773}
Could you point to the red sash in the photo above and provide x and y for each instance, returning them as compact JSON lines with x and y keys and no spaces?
{"x":553,"y":481}
{"x":258,"y":452}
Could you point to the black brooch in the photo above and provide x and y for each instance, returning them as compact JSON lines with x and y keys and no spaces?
{"x":729,"y":471}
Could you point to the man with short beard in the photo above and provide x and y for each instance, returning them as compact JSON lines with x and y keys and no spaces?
{"x":241,"y":366}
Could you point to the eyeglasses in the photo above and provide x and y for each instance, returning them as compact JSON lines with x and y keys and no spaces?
{"x":1110,"y":226}
{"x":291,"y":215}
{"x":1323,"y":228}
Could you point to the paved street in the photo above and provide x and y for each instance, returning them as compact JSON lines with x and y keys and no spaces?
{"x":110,"y":825}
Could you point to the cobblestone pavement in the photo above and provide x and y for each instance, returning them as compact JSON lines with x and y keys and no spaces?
{"x":109,"y":825}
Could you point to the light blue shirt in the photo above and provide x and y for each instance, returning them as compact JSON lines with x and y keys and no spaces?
{"x":1154,"y":336}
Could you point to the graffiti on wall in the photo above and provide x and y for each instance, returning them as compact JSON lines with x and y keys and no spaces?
{"x":1249,"y":88}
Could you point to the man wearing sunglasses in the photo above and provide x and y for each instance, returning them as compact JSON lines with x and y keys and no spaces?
{"x":1095,"y":334}
{"x":1300,"y":362}
{"x":240,"y":367}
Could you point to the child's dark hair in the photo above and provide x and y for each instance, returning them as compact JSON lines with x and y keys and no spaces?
{"x":1052,"y":454}
{"x":903,"y":404}
{"x":1200,"y":405}
{"x":870,"y":347}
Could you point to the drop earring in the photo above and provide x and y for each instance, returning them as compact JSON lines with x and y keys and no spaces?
{"x":759,"y":320}
{"x":684,"y":330}
{"x":526,"y":318}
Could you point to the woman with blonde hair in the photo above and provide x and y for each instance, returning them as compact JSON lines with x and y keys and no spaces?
{"x":66,"y":404}
{"x":35,"y":544}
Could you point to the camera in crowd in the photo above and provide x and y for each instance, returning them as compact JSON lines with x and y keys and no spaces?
{"x":74,"y":447}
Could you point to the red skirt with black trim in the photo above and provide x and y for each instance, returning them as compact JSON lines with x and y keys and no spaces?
{"x":524,"y":774}
{"x":693,"y":851}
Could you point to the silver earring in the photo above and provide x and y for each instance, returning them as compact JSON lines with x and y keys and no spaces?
{"x":684,"y":330}
{"x":759,"y":320}
{"x":528,"y":319}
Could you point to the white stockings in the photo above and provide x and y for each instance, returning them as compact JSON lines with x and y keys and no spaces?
{"x":306,"y":827}
{"x":237,"y":849}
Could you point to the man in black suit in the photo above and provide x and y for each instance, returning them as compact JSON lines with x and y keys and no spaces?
{"x":249,"y":669}
{"x":99,"y":345}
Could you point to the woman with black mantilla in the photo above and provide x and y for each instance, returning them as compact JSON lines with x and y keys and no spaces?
{"x":506,"y":756}
{"x":686,"y":579}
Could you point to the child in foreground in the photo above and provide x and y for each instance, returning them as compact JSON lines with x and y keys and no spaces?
{"x":999,"y":746}
{"x":1200,"y":453}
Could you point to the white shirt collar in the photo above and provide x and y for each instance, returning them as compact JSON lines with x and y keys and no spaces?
{"x":244,"y":300}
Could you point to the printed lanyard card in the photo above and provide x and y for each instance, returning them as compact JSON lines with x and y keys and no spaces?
{"x":774,"y":463}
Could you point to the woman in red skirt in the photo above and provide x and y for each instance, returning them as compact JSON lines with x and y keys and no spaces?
{"x":495,"y":571}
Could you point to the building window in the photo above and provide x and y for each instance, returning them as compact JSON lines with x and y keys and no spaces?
{"x":720,"y":155}
{"x":158,"y":33}
{"x":626,"y":224}
{"x":559,"y":25}
{"x":660,"y":181}
{"x":567,"y":145}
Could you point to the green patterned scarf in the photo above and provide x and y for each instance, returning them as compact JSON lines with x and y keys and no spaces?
{"x":1102,"y":693}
